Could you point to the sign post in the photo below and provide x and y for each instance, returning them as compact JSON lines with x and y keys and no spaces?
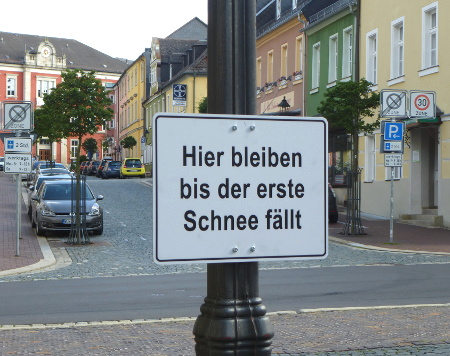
{"x":18,"y":116}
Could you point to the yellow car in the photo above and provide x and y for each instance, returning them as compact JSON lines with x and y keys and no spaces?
{"x":132,"y":167}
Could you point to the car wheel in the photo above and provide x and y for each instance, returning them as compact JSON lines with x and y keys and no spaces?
{"x":29,"y":212}
{"x":39,"y":231}
{"x":333,"y":219}
{"x":33,"y":224}
{"x":143,"y":176}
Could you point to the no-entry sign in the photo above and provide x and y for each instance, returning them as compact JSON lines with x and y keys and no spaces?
{"x":239,"y":188}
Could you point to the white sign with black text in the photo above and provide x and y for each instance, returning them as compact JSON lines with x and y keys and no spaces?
{"x":230,"y":188}
{"x":393,"y":160}
{"x":18,"y":163}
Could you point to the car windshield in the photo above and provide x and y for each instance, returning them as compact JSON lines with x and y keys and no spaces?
{"x":133,"y":163}
{"x":63,"y":192}
{"x":95,"y":163}
{"x":115,"y":164}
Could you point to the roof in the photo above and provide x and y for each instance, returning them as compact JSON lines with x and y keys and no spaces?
{"x":195,"y":28}
{"x":14,"y":46}
{"x":170,"y":46}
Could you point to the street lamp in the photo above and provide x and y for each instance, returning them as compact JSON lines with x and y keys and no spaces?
{"x":284,"y":105}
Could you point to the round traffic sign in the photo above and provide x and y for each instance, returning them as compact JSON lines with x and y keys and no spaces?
{"x":17,"y":113}
{"x":394,"y":101}
{"x":421,"y":102}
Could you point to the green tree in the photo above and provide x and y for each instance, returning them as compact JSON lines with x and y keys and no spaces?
{"x":79,"y":105}
{"x":90,"y":146}
{"x":351,"y":106}
{"x":203,"y":106}
{"x":128,"y":142}
{"x":45,"y":127}
{"x":348,"y":106}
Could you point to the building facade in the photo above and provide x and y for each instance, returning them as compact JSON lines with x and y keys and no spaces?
{"x":405,"y":48}
{"x":131,"y":91}
{"x":30,"y":66}
{"x":280,"y":56}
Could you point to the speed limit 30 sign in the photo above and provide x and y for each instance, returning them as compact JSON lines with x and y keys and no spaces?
{"x":422,"y":104}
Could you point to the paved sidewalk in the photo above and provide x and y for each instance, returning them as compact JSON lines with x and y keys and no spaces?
{"x":384,"y":331}
{"x":30,"y":251}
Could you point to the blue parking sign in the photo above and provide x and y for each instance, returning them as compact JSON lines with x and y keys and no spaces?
{"x":393,"y":131}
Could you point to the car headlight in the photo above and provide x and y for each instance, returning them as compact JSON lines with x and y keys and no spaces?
{"x":95,"y":210}
{"x":47,"y":212}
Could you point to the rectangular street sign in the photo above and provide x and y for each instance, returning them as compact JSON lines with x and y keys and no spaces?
{"x":393,"y":131}
{"x":393,"y":160}
{"x":18,"y":115}
{"x":18,"y":162}
{"x":393,"y":103}
{"x":393,"y":146}
{"x":422,"y":104}
{"x":231,"y":188}
{"x":18,"y":144}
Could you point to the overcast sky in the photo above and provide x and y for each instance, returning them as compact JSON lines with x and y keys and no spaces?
{"x":117,"y":28}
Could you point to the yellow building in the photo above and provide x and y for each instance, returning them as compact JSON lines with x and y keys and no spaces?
{"x":403,"y":46}
{"x":132,"y":92}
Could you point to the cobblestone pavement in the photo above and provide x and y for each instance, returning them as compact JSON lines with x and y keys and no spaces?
{"x":399,"y":331}
{"x":125,"y":248}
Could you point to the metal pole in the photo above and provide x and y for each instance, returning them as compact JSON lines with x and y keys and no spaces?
{"x":233,"y":320}
{"x":391,"y":225}
{"x":19,"y":214}
{"x":19,"y":208}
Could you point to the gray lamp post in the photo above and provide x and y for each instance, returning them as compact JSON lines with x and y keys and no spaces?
{"x":233,"y":319}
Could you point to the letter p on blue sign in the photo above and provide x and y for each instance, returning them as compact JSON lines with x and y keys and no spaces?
{"x":393,"y":131}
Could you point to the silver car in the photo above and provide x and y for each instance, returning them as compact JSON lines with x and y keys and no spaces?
{"x":52,"y":208}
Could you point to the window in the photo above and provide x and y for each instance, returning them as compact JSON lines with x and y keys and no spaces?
{"x":315,"y":66}
{"x":11,"y":86}
{"x":258,"y":72}
{"x":299,"y":55}
{"x":347,"y":54}
{"x":397,"y":51}
{"x":73,"y":148}
{"x":333,"y":59}
{"x":370,"y":162}
{"x":270,"y":67}
{"x":284,"y":60}
{"x":371,"y":60}
{"x":153,"y":79}
{"x":430,"y":36}
{"x":44,"y":86}
{"x":278,"y":9}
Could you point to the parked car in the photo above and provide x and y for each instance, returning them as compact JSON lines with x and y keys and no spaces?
{"x":91,"y":169}
{"x":332,"y":206}
{"x":37,"y":182}
{"x":83,"y":166}
{"x":2,"y":163}
{"x":52,"y":208}
{"x":132,"y":167}
{"x":101,"y":166}
{"x":111,"y":169}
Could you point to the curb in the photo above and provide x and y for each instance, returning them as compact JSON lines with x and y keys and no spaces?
{"x":190,"y":319}
{"x":48,"y":260}
{"x":384,"y":249}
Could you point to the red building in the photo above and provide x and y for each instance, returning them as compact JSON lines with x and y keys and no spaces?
{"x":30,"y":66}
